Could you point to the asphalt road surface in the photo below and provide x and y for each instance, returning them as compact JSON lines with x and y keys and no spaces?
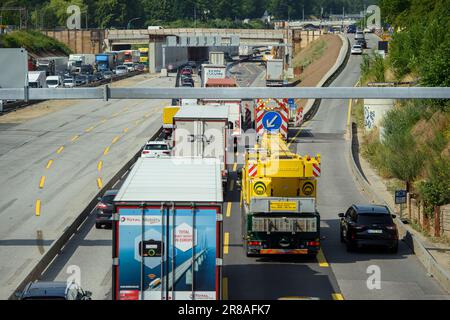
{"x":51,"y":166}
{"x":335,"y":274}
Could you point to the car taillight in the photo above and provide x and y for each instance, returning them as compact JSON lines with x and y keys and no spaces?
{"x":102,"y":206}
{"x":313,"y":243}
{"x":254,"y":243}
{"x":392,"y":228}
{"x":360,"y":227}
{"x":166,"y":152}
{"x":145,"y":152}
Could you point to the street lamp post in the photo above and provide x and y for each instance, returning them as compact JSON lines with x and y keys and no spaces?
{"x":129,"y":22}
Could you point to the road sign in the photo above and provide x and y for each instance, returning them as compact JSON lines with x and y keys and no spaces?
{"x":291,"y":101}
{"x":400,"y":196}
{"x":272,"y":121}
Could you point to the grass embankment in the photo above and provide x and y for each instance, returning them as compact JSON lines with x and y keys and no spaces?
{"x":310,"y":54}
{"x":33,"y":41}
{"x":413,"y":145}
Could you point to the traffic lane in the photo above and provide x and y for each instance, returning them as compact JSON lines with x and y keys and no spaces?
{"x":31,"y":236}
{"x":77,"y":157}
{"x":95,"y":274}
{"x":246,"y":73}
{"x":267,"y":277}
{"x":402,"y":275}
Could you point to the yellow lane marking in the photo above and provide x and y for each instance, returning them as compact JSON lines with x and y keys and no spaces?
{"x":235,"y":167}
{"x":115,"y":114}
{"x":115,"y":139}
{"x":89,"y":129}
{"x":349,"y":114}
{"x":226,"y":242}
{"x":321,"y":259}
{"x":229,"y":209}
{"x":137,"y":122}
{"x":337,"y":296}
{"x":100,"y":165}
{"x":106,"y":151}
{"x":49,"y":164}
{"x":42,"y":182}
{"x":232,"y":185}
{"x":60,"y":150}
{"x":225,"y":288}
{"x":104,"y":120}
{"x":125,"y":130}
{"x":99,"y":183}
{"x":74,"y":138}
{"x":38,"y":208}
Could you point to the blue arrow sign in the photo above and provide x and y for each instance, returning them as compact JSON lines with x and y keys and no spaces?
{"x":272,"y":121}
{"x":291,"y":101}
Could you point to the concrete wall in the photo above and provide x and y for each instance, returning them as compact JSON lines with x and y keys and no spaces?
{"x":174,"y":56}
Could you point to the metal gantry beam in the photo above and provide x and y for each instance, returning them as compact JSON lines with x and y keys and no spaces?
{"x":107,"y":93}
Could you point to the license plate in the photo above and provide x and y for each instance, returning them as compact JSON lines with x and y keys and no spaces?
{"x":283,"y":206}
{"x":375,"y":231}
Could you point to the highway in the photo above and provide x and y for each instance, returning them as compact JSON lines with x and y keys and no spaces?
{"x":335,"y":274}
{"x":52,"y":167}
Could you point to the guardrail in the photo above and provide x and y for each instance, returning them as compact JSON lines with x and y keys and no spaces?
{"x":58,"y":245}
{"x":10,"y":107}
{"x":107,"y":93}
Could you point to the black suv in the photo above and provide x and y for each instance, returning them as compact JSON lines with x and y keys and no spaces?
{"x":58,"y":290}
{"x":105,"y":209}
{"x":370,"y":225}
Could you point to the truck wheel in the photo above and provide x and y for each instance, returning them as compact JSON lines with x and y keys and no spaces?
{"x":350,"y":247}
{"x":98,"y":226}
{"x":393,"y":249}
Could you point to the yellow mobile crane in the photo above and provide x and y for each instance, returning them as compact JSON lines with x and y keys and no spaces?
{"x":279,"y":191}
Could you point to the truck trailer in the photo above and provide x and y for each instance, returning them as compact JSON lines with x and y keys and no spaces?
{"x":104,"y":62}
{"x":213,"y":71}
{"x":274,"y":73}
{"x":167,"y":232}
{"x":279,"y":191}
{"x":201,"y":131}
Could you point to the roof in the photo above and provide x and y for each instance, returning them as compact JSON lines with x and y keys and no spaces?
{"x":173,"y":179}
{"x":202,"y":112}
{"x":221,"y":82}
{"x":46,"y":289}
{"x":376,"y":209}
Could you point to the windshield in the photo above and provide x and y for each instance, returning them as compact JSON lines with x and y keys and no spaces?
{"x":371,"y":218}
{"x":52,"y":82}
{"x":156,"y":147}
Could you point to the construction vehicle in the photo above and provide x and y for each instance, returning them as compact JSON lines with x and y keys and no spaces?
{"x":167,"y":117}
{"x":279,"y":191}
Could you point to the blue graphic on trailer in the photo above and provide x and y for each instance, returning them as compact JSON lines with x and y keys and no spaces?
{"x":291,"y":101}
{"x":182,"y":244}
{"x":272,"y":121}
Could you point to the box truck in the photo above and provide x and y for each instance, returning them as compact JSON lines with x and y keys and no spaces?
{"x":274,"y":73}
{"x":212,"y":71}
{"x":37,"y":79}
{"x":167,"y":232}
{"x":217,"y":58}
{"x":201,"y":131}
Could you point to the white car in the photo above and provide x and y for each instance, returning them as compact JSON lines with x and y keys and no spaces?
{"x":357,"y":49}
{"x":121,"y":70}
{"x":130,"y":66}
{"x":54,"y":81}
{"x":156,"y":149}
{"x":69,"y":83}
